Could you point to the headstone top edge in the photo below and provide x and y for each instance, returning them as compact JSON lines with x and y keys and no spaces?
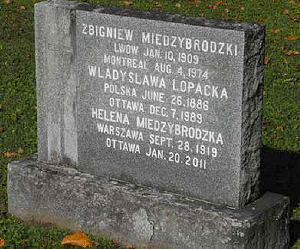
{"x":161,"y":16}
{"x":58,"y":3}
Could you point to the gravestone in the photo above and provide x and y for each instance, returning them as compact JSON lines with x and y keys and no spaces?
{"x":148,"y":124}
{"x":171,"y":105}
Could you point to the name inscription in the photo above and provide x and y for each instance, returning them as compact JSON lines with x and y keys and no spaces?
{"x":157,"y":94}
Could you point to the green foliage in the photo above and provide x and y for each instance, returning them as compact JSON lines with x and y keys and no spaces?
{"x":281,"y":115}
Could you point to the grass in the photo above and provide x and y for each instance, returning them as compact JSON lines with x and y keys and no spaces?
{"x":281,"y":113}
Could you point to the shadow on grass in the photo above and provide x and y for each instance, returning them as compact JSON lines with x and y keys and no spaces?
{"x":281,"y":174}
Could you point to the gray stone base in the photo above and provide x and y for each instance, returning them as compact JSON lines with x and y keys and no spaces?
{"x":141,"y":216}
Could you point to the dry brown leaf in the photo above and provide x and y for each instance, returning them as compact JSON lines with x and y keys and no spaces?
{"x":212,"y":6}
{"x":20,"y":151}
{"x":293,"y":52}
{"x":178,"y":5}
{"x":1,"y":107}
{"x":295,"y":18}
{"x":22,"y":7}
{"x":291,"y":38}
{"x":158,"y":5}
{"x":242,"y":8}
{"x":266,"y":60}
{"x":94,"y":243}
{"x":7,"y":1}
{"x":189,"y":6}
{"x":127,"y":2}
{"x":76,"y":239}
{"x":279,"y":128}
{"x":227,"y":10}
{"x":1,"y":129}
{"x":275,"y":31}
{"x":10,"y":154}
{"x":221,"y":3}
{"x":286,"y":11}
{"x":129,"y":247}
{"x":2,"y":242}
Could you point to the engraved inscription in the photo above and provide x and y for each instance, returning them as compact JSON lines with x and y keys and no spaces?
{"x":158,"y":95}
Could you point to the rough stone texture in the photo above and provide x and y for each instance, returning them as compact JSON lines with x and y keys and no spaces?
{"x":138,"y":215}
{"x":56,"y":82}
{"x":67,"y":134}
{"x":252,"y":113}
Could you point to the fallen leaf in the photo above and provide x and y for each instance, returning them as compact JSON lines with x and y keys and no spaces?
{"x":20,"y":151}
{"x":236,"y":16}
{"x":275,"y":31}
{"x":22,"y":7}
{"x":1,"y":129}
{"x":1,"y":107}
{"x":191,"y":6}
{"x":286,"y":11}
{"x":221,"y":3}
{"x":7,"y":1}
{"x":94,"y":243}
{"x":227,"y":10}
{"x":76,"y":239}
{"x":212,"y":6}
{"x":129,"y":247}
{"x":279,"y":128}
{"x":2,"y":242}
{"x":10,"y":154}
{"x":295,"y":18}
{"x":293,"y":52}
{"x":127,"y":2}
{"x":177,"y":5}
{"x":242,"y":8}
{"x":291,"y":38}
{"x":266,"y":60}
{"x":158,"y":5}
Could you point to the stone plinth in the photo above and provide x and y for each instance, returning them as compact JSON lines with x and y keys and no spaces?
{"x":138,"y":215}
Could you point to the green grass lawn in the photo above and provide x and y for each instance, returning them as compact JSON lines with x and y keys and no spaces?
{"x":281,"y":113}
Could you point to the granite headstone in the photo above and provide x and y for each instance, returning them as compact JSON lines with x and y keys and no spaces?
{"x":174,"y":105}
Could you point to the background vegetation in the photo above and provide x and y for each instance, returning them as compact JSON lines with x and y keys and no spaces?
{"x":281,"y":113}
